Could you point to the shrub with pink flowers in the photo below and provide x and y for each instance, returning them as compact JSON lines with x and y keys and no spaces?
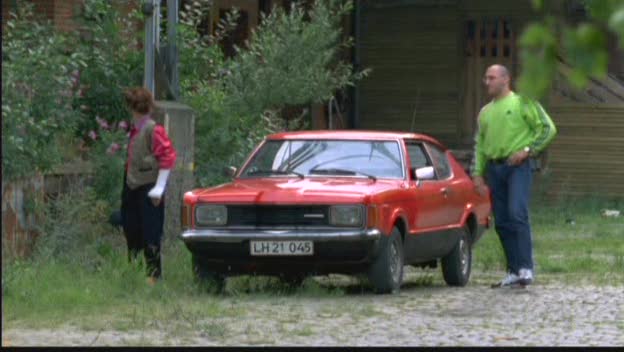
{"x":113,"y":62}
{"x":108,"y":154}
{"x":61,"y":90}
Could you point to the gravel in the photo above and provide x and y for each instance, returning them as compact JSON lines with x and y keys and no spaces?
{"x":550,"y":314}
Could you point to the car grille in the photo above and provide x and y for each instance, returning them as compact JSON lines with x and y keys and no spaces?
{"x":245,"y":215}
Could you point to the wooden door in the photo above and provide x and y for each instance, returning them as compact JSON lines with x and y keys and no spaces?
{"x":486,"y":42}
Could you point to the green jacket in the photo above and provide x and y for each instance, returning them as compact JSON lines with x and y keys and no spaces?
{"x":508,"y":125}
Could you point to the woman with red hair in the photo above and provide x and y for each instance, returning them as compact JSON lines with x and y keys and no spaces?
{"x":151,"y":157}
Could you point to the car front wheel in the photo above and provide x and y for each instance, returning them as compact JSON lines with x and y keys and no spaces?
{"x":293,"y":280}
{"x":203,"y":274}
{"x":386,"y":271}
{"x":456,"y":265}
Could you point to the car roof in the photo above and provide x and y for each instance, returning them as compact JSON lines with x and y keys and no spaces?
{"x":352,"y":135}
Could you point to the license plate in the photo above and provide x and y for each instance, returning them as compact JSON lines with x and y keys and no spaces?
{"x":281,"y":248}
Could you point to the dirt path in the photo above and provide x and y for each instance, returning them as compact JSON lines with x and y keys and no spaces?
{"x":550,"y":314}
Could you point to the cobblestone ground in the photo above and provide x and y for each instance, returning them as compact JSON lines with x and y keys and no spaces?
{"x":551,"y":314}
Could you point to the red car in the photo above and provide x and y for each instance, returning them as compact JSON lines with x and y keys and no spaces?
{"x":320,"y":202}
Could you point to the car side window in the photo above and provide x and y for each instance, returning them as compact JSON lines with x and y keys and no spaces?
{"x":417,"y":155}
{"x":440,"y":162}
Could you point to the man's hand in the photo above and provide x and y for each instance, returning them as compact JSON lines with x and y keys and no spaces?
{"x":517,"y":158}
{"x":480,"y":186}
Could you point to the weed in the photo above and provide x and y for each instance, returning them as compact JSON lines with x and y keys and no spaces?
{"x":213,"y":329}
{"x":305,"y":331}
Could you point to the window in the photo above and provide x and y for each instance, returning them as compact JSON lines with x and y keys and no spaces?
{"x":327,"y":157}
{"x":489,"y":38}
{"x":440,"y":162}
{"x":417,"y":155}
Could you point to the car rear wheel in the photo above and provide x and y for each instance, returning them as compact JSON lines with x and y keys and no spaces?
{"x":386,"y":271}
{"x":203,"y":274}
{"x":456,"y":265}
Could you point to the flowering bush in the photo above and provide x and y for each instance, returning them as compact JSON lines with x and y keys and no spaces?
{"x":38,"y":85}
{"x":108,"y":154}
{"x":112,"y":59}
{"x":59,"y":86}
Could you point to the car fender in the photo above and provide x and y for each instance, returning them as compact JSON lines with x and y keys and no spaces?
{"x":396,"y":215}
{"x":468,"y":209}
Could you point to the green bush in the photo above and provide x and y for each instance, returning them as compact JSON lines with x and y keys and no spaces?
{"x":108,"y":42}
{"x":37,"y":92}
{"x":57,"y":86}
{"x":291,"y":60}
{"x":75,"y":231}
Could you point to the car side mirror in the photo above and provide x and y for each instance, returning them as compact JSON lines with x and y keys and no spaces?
{"x":424,"y":173}
{"x":229,"y":171}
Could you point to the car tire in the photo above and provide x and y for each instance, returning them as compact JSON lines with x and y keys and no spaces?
{"x":386,"y":271}
{"x":457,"y":264}
{"x":293,"y":280}
{"x":205,"y":276}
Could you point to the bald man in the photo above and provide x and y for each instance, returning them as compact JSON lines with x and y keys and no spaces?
{"x":511,"y":130}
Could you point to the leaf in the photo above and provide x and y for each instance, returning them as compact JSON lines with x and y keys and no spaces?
{"x":616,"y":24}
{"x":601,"y":9}
{"x":578,"y":78}
{"x":586,"y":50}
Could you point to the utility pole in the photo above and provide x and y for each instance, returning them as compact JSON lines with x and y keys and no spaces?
{"x":151,"y":9}
{"x":168,"y":59}
{"x":172,"y":48}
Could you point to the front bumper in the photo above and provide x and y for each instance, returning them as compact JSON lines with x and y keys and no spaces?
{"x":238,"y":236}
{"x":335,"y":250}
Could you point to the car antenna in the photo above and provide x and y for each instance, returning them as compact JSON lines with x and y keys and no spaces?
{"x":415,"y":109}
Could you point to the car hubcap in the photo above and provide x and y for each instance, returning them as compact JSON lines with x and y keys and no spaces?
{"x":395,"y":262}
{"x":465,"y":256}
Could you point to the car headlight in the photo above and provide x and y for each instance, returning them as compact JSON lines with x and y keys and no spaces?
{"x":345,"y":215}
{"x":211,"y":215}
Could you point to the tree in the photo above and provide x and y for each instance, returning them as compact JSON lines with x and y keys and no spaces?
{"x":583,"y":46}
{"x":290,"y":59}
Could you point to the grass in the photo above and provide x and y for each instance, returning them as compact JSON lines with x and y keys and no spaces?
{"x":38,"y":294}
{"x":570,"y":238}
{"x":116,"y":295}
{"x":110,"y":293}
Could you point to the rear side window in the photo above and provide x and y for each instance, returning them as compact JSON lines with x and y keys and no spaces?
{"x":417,"y":155}
{"x":440,"y":162}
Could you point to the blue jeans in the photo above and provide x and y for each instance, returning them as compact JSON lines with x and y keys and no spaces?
{"x":510,"y":187}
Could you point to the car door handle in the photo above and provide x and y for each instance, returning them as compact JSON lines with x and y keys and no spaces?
{"x":445,"y":192}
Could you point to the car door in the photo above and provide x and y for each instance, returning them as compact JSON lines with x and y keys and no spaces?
{"x":426,"y":196}
{"x":452,"y":205}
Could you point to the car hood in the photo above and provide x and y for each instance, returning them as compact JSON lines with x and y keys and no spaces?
{"x":293,"y":191}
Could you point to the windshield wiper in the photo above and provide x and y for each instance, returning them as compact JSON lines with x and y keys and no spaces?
{"x":334,"y":171}
{"x":275,"y":172}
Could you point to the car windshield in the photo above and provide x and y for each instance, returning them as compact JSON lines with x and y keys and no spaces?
{"x":296,"y":158}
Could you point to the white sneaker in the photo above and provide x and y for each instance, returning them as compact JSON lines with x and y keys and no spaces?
{"x":509,"y":280}
{"x":526,"y":276}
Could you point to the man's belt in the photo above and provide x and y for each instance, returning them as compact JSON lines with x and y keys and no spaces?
{"x":498,"y":161}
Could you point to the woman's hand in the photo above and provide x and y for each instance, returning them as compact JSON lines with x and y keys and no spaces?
{"x":156,"y":193}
